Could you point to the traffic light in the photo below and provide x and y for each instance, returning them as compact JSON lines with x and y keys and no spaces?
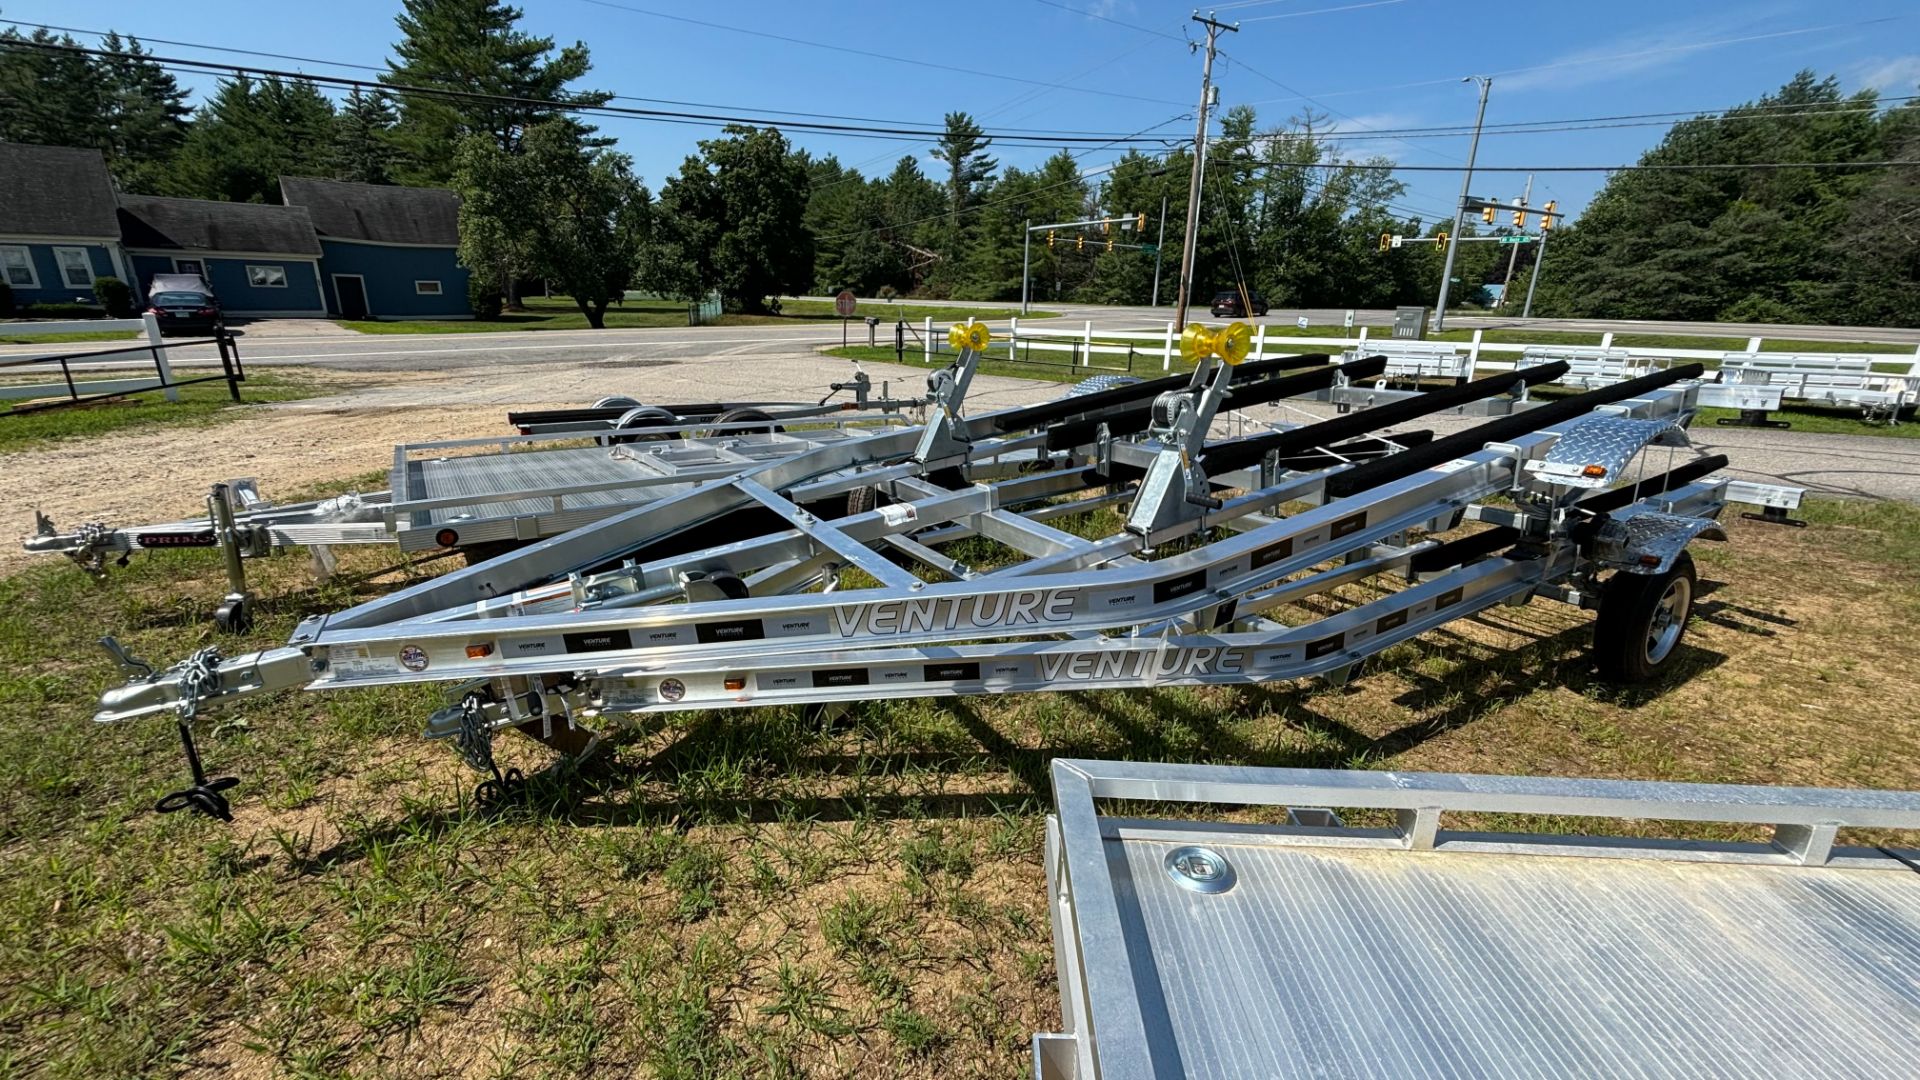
{"x":1442,"y":238}
{"x":1049,"y":237}
{"x":1106,"y":225}
{"x":1109,"y":243}
{"x":1520,"y":216}
{"x":1140,"y":223}
{"x":1546,"y":219}
{"x":1486,"y":214}
{"x":1386,"y":241}
{"x":1080,"y":243}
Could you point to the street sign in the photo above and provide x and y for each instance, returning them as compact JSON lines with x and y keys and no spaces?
{"x":1148,"y":249}
{"x":843,"y":303}
{"x":1516,"y":239}
{"x":1349,"y":318}
{"x":1302,"y":322}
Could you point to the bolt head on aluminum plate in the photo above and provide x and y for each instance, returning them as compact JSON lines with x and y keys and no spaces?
{"x":1200,"y":869}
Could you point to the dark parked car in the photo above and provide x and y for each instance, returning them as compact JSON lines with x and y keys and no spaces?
{"x":1226,"y":305}
{"x":183,"y":304}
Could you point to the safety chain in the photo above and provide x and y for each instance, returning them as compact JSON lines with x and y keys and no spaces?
{"x":199,"y":677}
{"x":91,"y":555}
{"x":475,"y":737}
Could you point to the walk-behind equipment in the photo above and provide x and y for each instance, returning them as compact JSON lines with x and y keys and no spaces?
{"x":733,"y":594}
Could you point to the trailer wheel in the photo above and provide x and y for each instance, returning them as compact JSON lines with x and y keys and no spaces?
{"x":642,"y":416}
{"x":234,"y":617}
{"x":1642,"y":618}
{"x":617,"y":401}
{"x":747,"y":416}
{"x":860,"y":500}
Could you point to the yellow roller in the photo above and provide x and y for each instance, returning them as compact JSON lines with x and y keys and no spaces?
{"x":1234,"y":343}
{"x":973,"y":337}
{"x":1197,"y":342}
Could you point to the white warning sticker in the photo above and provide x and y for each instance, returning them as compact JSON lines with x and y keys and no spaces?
{"x":899,"y":514}
{"x":354,"y":660}
{"x":1453,"y":466}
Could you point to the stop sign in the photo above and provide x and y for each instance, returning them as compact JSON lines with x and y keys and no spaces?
{"x":843,"y":303}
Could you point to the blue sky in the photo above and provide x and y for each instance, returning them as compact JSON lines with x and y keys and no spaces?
{"x":1366,"y":64}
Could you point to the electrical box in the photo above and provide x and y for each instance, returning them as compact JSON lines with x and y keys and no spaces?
{"x":1410,"y":322}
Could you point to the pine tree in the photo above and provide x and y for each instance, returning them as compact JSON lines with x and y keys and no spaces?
{"x":473,"y":47}
{"x":49,"y":94}
{"x":250,"y":135}
{"x":146,"y":118}
{"x":363,"y":149}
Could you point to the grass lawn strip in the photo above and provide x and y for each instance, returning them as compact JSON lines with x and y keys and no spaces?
{"x":749,"y":891}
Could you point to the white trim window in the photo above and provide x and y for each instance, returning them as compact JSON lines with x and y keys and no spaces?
{"x":426,"y":288}
{"x":16,"y":267}
{"x":266,"y":276}
{"x":76,"y":269}
{"x":191,"y":266}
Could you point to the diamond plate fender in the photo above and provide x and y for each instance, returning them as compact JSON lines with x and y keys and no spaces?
{"x":1593,"y":452}
{"x":1641,"y":540}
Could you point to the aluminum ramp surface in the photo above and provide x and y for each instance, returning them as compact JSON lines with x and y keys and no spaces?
{"x":1329,"y":962}
{"x":1309,"y":947}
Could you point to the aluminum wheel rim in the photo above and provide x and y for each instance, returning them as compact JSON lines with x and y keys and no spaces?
{"x":1669,"y":619}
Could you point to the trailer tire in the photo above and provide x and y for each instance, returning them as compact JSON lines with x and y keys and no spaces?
{"x":747,"y":416}
{"x":642,"y":416}
{"x":1642,"y":618}
{"x":860,"y":500}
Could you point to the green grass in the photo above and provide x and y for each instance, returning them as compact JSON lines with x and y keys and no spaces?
{"x":755,"y":892}
{"x":559,"y":313}
{"x":200,"y":405}
{"x":57,"y":339}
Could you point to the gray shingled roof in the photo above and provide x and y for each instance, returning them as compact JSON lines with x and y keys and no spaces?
{"x":383,"y":213}
{"x":55,"y":191}
{"x":149,"y":221}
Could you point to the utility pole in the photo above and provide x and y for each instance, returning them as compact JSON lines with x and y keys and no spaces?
{"x":1159,"y":251}
{"x":1538,"y":258}
{"x":1188,"y":241}
{"x":1460,"y":210}
{"x":1513,"y":257}
{"x":1026,"y":249}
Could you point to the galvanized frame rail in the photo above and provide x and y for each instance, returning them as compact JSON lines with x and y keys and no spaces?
{"x":1110,"y":1030}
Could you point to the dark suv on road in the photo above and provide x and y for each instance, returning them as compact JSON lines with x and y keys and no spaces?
{"x":1226,"y":305}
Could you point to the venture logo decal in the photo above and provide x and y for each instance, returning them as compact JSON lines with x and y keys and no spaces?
{"x":1022,"y":607}
{"x":413,"y":658}
{"x":1142,"y":664}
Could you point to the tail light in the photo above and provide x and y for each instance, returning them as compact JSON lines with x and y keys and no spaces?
{"x":208,"y":311}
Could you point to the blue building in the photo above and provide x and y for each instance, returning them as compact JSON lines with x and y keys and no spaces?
{"x":261,"y":260}
{"x":58,"y":228}
{"x":386,"y":252}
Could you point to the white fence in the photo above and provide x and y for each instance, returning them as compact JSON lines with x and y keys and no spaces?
{"x":154,"y":347}
{"x":1083,"y":344}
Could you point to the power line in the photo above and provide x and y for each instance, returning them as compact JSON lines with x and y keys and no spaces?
{"x":864,"y":53}
{"x":615,"y":97}
{"x":574,"y":105}
{"x":1323,"y":11}
{"x":1705,"y":167}
{"x":1583,"y":60}
{"x":1108,"y":19}
{"x":1255,"y":71}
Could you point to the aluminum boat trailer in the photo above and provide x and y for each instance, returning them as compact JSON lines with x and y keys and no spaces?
{"x":641,"y":612}
{"x":482,"y":497}
{"x":622,"y":412}
{"x":1360,"y":931}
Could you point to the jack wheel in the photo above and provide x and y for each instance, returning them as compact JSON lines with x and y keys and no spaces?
{"x":1642,"y":618}
{"x":235,"y":616}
